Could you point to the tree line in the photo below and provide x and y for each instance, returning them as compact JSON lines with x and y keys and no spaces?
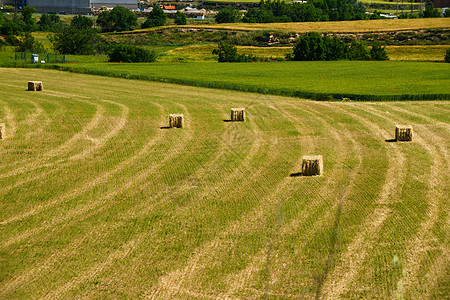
{"x":279,"y":11}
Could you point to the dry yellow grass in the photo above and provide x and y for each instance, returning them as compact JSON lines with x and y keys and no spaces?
{"x":340,"y":26}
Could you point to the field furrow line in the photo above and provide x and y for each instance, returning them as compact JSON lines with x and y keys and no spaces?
{"x":10,"y":120}
{"x":171,"y":284}
{"x":47,"y":121}
{"x":31,"y":274}
{"x":97,"y":144}
{"x":34,"y":123}
{"x":342,"y":194}
{"x":436,"y":197}
{"x":135,"y":211}
{"x":118,"y":254}
{"x":235,"y":175}
{"x":60,"y":150}
{"x":80,"y":135}
{"x":82,"y":188}
{"x":352,"y":261}
{"x":93,"y":208}
{"x":89,"y":184}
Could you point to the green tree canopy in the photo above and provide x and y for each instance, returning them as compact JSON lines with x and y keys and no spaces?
{"x":180,"y":18}
{"x":27,"y":18}
{"x":48,"y":22}
{"x":228,"y":15}
{"x":73,"y":40}
{"x":156,"y":17}
{"x":82,"y":22}
{"x":118,"y":19}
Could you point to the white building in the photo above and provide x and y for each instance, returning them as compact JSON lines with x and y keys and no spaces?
{"x":78,"y":6}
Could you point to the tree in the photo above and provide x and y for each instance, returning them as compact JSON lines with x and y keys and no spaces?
{"x":156,"y":17}
{"x":430,"y":11}
{"x":310,"y":47}
{"x":73,"y":40}
{"x":81,"y":22}
{"x":47,"y":22}
{"x":446,"y":13}
{"x":447,"y":56}
{"x":378,"y":53}
{"x":359,"y":51}
{"x":130,"y":53}
{"x":29,"y":43}
{"x":118,"y":19}
{"x":180,"y":18}
{"x":27,"y":18}
{"x":228,"y":15}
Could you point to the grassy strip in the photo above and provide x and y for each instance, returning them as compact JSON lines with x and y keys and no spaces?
{"x":359,"y":81}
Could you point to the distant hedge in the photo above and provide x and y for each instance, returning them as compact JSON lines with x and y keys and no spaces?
{"x":130,"y":53}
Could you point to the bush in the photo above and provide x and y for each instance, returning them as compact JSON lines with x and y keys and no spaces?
{"x":378,"y":53}
{"x":447,"y":56}
{"x":228,"y":53}
{"x":228,"y":15}
{"x":130,"y":53}
{"x":180,"y":18}
{"x":156,"y":17}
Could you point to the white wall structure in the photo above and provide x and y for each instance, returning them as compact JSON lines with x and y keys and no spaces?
{"x":131,"y":4}
{"x":78,"y":6}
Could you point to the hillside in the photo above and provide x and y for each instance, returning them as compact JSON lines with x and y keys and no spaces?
{"x":99,"y":199}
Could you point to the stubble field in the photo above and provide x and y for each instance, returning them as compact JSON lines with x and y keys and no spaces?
{"x":99,"y":200}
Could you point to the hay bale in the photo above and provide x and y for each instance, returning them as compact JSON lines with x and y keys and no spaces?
{"x":35,"y":86}
{"x":403,"y":133}
{"x":312,"y":165}
{"x":2,"y":131}
{"x":238,"y":114}
{"x":176,"y":121}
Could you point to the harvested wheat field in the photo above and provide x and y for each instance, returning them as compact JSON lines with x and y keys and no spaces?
{"x":98,"y":200}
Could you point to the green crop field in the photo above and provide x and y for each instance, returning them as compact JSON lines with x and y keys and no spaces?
{"x":355,"y":79}
{"x":99,"y":199}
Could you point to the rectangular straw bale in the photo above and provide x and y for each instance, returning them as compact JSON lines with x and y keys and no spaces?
{"x":2,"y":131}
{"x":238,"y":114}
{"x":312,"y":165}
{"x":176,"y":120}
{"x":403,"y":133}
{"x":35,"y":86}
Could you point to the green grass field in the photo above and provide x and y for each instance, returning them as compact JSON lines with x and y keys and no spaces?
{"x":355,"y":79}
{"x":99,"y":200}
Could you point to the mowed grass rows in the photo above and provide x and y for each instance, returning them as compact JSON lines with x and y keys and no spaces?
{"x":99,"y":200}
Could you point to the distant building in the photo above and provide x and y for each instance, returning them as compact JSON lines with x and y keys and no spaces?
{"x":78,"y":6}
{"x":441,"y":3}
